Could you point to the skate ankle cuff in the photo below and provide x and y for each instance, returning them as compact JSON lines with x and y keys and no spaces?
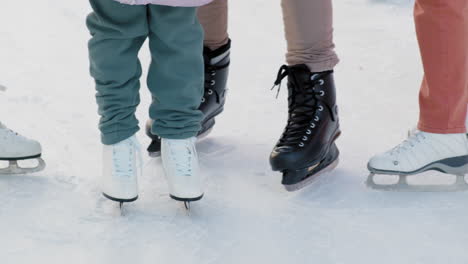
{"x":217,"y":52}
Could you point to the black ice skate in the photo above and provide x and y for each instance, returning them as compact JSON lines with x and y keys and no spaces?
{"x":307,"y":149}
{"x":216,"y":76}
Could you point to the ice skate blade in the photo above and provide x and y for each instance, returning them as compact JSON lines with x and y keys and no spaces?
{"x":119,"y":200}
{"x":403,"y":186}
{"x":205,"y":134}
{"x":311,"y":179}
{"x":154,"y":154}
{"x":14,"y":168}
{"x":186,"y":199}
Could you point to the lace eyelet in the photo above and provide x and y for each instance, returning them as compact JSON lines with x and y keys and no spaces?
{"x":312,"y":125}
{"x":320,"y":108}
{"x":304,"y":138}
{"x":322,"y":93}
{"x":316,"y":119}
{"x":210,"y":92}
{"x":312,"y":78}
{"x":213,"y":73}
{"x":213,"y":82}
{"x":321,"y":82}
{"x":301,"y":144}
{"x":308,"y":132}
{"x":203,"y":100}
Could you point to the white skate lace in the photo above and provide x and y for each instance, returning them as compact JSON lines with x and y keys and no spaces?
{"x":183,"y":163}
{"x":414,"y":137}
{"x":11,"y":132}
{"x":139,"y":155}
{"x":122,"y":160}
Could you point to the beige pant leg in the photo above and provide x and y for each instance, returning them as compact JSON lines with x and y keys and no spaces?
{"x":214,"y":19}
{"x":309,"y":33}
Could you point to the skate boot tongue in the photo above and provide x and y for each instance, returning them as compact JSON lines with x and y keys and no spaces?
{"x":213,"y":57}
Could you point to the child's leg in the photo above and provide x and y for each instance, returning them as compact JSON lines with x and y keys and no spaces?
{"x":176,"y":74}
{"x":118,"y":31}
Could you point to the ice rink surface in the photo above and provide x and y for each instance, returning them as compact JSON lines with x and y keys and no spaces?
{"x":59,"y":216}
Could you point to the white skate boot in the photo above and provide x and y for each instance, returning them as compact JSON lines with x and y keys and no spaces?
{"x":119,"y":180}
{"x":446,"y":153}
{"x":14,"y":148}
{"x":181,"y":167}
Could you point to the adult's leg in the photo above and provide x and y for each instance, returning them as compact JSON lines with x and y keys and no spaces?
{"x":175,"y":76}
{"x":442,"y":29}
{"x":441,"y":143}
{"x":309,"y":33}
{"x":214,"y":19}
{"x":118,"y":31}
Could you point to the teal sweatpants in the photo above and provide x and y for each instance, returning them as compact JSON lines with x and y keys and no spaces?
{"x":175,"y":76}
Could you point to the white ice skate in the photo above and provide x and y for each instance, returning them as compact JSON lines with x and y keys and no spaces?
{"x":419,"y":153}
{"x":181,"y":167}
{"x":119,"y":180}
{"x":15,"y":148}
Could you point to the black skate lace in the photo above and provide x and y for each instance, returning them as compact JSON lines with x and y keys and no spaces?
{"x":210,"y":82}
{"x":302,"y":115}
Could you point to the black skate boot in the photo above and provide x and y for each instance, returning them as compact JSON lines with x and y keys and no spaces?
{"x":306,"y":148}
{"x":216,"y":76}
